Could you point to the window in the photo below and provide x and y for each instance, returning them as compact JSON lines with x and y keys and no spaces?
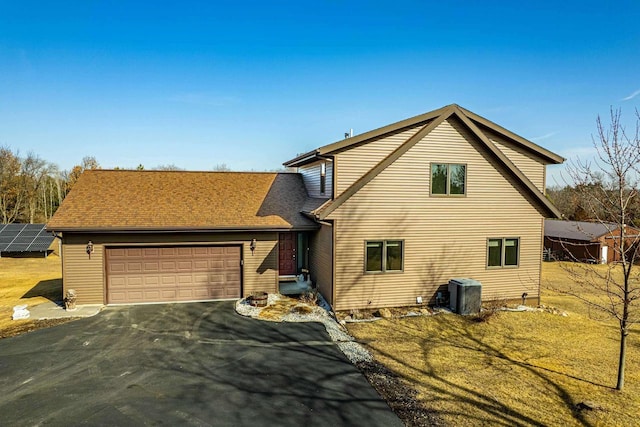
{"x":448,"y":179}
{"x":503,"y":252}
{"x":323,"y":177}
{"x":384,"y":255}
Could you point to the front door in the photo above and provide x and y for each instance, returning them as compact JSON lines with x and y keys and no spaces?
{"x":287,"y":254}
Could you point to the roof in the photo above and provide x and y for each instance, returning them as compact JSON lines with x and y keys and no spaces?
{"x":345,"y":144}
{"x":113,"y":200}
{"x":576,"y":230}
{"x":24,"y":238}
{"x":476,"y":125}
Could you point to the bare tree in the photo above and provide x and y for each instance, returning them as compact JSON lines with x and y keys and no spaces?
{"x":33,"y":176}
{"x":11,"y":192}
{"x":169,"y":167}
{"x":221,"y":167}
{"x":88,"y":162}
{"x":608,"y":188}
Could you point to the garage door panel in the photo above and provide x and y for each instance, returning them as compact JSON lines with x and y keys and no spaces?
{"x":165,"y":274}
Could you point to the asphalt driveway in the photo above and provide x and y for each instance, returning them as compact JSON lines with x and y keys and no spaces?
{"x":183,"y":364}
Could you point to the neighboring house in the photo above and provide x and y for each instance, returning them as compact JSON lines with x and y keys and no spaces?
{"x":592,"y":242}
{"x":379,"y":219}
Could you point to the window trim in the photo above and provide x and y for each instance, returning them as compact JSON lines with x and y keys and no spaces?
{"x":502,"y":253}
{"x":384,"y":256}
{"x":448,"y":183}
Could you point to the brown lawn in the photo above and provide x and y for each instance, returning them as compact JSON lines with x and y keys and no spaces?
{"x":30,"y":281}
{"x":517,"y":368}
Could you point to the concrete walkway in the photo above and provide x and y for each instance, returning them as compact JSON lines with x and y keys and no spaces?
{"x":55,"y":310}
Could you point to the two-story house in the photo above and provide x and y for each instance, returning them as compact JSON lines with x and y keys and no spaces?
{"x":378,"y":219}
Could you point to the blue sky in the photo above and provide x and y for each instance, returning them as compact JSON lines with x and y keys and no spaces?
{"x":250,"y":85}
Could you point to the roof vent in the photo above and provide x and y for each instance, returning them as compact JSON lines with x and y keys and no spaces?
{"x":348,"y":134}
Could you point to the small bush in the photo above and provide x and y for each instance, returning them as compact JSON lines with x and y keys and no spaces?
{"x":489,"y":309}
{"x":301,"y":309}
{"x":310,"y":297}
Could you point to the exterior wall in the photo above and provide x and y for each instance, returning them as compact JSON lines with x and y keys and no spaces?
{"x":87,"y":276}
{"x":321,"y":265}
{"x":612,"y":241}
{"x":311,"y":177}
{"x":529,"y":164}
{"x":444,"y":237}
{"x":355,"y":162}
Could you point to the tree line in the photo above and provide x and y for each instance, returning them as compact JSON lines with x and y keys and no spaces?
{"x":31,"y":189}
{"x":590,"y":201}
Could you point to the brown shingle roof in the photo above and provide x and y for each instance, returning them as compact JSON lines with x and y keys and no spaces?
{"x":175,"y":200}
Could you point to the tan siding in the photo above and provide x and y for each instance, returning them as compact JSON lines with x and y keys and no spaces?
{"x":444,"y":237}
{"x":87,"y":277}
{"x":311,"y":176}
{"x":321,"y":248}
{"x":82,"y":274}
{"x":357,"y":161}
{"x":531,"y":165}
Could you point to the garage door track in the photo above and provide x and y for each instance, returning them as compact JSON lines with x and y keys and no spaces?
{"x":183,"y":364}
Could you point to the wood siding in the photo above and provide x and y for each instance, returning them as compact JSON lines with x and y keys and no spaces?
{"x":444,"y":237}
{"x":311,"y":177}
{"x":320,"y":261}
{"x":357,"y":161}
{"x":529,"y":164}
{"x":88,"y":278}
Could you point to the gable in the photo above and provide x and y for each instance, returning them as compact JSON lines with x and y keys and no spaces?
{"x":401,"y":191}
{"x":476,"y":134}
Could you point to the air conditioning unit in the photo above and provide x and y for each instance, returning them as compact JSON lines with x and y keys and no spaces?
{"x":465,"y":296}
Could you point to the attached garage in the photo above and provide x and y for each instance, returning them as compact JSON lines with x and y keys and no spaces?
{"x":173,"y":274}
{"x":135,"y":237}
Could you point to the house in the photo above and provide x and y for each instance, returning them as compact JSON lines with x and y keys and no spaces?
{"x":592,"y":242}
{"x":384,"y":218}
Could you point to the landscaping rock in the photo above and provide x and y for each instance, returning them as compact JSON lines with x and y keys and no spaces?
{"x":385,"y":313}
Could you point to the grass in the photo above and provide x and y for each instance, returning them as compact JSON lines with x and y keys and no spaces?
{"x":282,"y":307}
{"x":29,"y":281}
{"x":518,"y":368}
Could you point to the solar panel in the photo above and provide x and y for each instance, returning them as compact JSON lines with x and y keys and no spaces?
{"x":13,"y":226}
{"x":24,"y":238}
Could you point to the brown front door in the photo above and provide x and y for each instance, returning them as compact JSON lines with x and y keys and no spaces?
{"x":287,"y":254}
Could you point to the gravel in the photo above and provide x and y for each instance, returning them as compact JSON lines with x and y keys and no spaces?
{"x":320,"y":313}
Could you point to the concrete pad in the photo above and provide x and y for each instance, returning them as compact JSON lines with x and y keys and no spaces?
{"x":56,"y":310}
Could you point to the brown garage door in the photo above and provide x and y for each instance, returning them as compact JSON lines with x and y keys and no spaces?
{"x":168,"y":274}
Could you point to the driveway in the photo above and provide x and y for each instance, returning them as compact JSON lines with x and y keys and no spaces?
{"x":183,"y":364}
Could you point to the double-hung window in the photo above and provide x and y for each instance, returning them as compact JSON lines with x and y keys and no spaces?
{"x":449,"y":179}
{"x":503,"y":252}
{"x":384,"y":255}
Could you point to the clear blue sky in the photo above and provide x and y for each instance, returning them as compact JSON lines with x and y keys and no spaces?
{"x":197,"y":84}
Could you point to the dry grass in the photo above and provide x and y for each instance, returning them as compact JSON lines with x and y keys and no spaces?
{"x":29,"y":281}
{"x":282,"y":307}
{"x":521,"y":368}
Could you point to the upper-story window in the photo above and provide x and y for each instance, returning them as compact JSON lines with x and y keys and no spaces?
{"x":323,"y":177}
{"x":448,"y":179}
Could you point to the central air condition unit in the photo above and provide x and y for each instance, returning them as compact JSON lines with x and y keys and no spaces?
{"x":465,"y":296}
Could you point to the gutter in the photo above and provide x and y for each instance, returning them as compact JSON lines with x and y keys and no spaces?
{"x":114,"y":230}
